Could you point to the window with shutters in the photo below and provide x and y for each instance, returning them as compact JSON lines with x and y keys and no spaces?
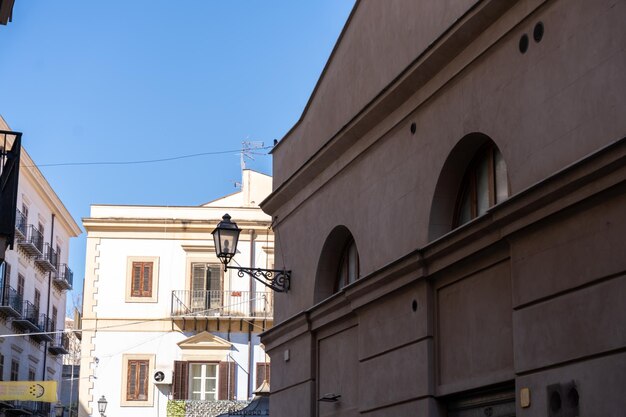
{"x":20,"y":285}
{"x":137,"y":388}
{"x":204,"y":381}
{"x":206,"y":287}
{"x":142,"y":279}
{"x":262,"y":373}
{"x":53,"y":323}
{"x":137,"y":380}
{"x":15,"y":370}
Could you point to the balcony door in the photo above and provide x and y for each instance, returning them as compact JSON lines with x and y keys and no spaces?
{"x":206,"y":288}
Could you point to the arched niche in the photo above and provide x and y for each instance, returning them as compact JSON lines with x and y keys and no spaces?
{"x":329,"y":262}
{"x":446,"y":195}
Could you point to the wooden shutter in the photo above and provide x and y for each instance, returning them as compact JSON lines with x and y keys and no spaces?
{"x":262,"y":373}
{"x":181,"y":378}
{"x":142,"y":279}
{"x":227,"y":382}
{"x":137,"y":380}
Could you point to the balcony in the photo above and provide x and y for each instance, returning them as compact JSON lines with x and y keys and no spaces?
{"x":64,"y":277}
{"x":11,"y":303}
{"x":32,"y":242}
{"x":48,"y":260}
{"x":60,"y":345}
{"x":29,"y":320}
{"x":44,"y":325}
{"x":20,"y":225}
{"x":209,"y":303}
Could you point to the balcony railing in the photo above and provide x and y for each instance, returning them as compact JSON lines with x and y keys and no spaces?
{"x":32,"y":242}
{"x":215,"y":303}
{"x":48,"y":260}
{"x":64,"y":277}
{"x":60,"y":345}
{"x":20,"y":225}
{"x":44,"y":325}
{"x":29,"y":320}
{"x":11,"y":302}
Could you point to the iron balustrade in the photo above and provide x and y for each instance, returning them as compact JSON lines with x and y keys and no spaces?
{"x":11,"y":302}
{"x":216,"y":303}
{"x":60,"y":345}
{"x":64,"y":277}
{"x":48,"y":260}
{"x":20,"y":224}
{"x":32,"y":242}
{"x":30,"y":317}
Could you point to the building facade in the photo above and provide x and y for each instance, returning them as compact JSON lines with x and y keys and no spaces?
{"x":452,"y":205}
{"x":34,"y":281}
{"x":165,"y":329}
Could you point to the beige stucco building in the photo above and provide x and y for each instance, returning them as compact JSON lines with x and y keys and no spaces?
{"x":164,"y":327}
{"x":452,"y":205}
{"x":34,"y":281}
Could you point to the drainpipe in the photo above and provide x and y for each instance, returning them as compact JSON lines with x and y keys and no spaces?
{"x":45,"y":346}
{"x":252,"y":294}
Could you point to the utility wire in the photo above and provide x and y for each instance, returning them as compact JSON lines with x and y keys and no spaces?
{"x":145,"y":161}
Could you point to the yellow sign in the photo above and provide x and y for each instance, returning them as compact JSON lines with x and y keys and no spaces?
{"x":43,"y":391}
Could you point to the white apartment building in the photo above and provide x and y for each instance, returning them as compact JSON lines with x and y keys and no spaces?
{"x":34,"y":281}
{"x":164,"y":327}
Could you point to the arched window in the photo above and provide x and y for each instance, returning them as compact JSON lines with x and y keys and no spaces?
{"x":348,"y":270}
{"x":484,"y":185}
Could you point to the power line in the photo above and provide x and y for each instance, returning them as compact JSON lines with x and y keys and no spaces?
{"x":145,"y":161}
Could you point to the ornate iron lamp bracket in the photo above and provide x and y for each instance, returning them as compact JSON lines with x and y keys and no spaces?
{"x":276,"y":279}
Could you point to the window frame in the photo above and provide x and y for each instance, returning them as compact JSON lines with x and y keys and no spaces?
{"x":190,"y":378}
{"x":125,"y":395}
{"x":15,"y":370}
{"x":133,"y":296}
{"x":469,"y":184}
{"x":344,"y":266}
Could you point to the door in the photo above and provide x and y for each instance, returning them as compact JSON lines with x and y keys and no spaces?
{"x":206,"y":288}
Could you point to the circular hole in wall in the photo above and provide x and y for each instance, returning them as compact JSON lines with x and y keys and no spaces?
{"x":523,"y":43}
{"x":538,"y":32}
{"x":414,"y":305}
{"x":413,"y":128}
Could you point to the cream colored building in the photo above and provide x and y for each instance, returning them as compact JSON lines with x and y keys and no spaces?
{"x":35,"y":279}
{"x":163,"y":324}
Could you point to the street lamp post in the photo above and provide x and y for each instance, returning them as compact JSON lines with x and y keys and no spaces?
{"x":226,"y":237}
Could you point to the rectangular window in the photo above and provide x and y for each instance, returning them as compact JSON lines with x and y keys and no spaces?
{"x":1,"y":367}
{"x":142,"y":279}
{"x":20,"y":285}
{"x":206,"y":287}
{"x":262,"y":373}
{"x":37,"y":301}
{"x":137,"y":380}
{"x":25,"y":212}
{"x":31,"y":374}
{"x":15,"y":370}
{"x":203,"y":381}
{"x":53,"y":323}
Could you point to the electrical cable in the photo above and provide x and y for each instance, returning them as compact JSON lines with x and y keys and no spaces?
{"x":146,"y":161}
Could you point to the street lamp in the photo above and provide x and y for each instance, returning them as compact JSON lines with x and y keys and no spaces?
{"x":59,"y":409}
{"x":226,"y":237}
{"x":102,"y":405}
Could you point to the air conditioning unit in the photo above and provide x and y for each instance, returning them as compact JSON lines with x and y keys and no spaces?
{"x":162,"y":376}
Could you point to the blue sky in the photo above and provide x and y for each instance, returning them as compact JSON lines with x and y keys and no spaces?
{"x":90,"y":81}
